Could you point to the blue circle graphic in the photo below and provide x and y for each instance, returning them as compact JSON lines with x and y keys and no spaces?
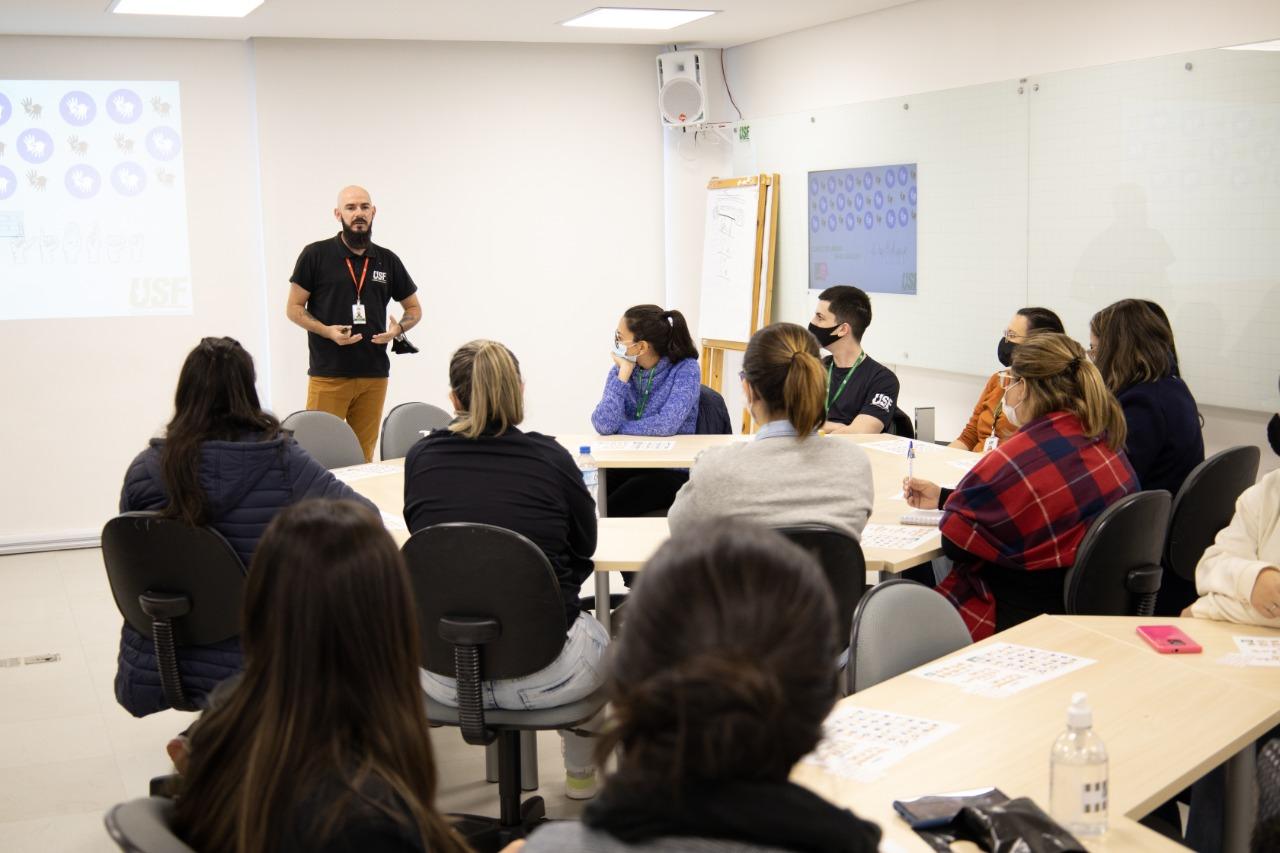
{"x":850,"y":182}
{"x":6,"y":108}
{"x":77,"y":108}
{"x":128,"y":178}
{"x":83,"y":181}
{"x":890,"y":178}
{"x":163,"y":143}
{"x":823,"y":204}
{"x":903,"y":217}
{"x":8,"y":182}
{"x":879,"y":199}
{"x":859,"y":202}
{"x":124,"y":106}
{"x":831,"y":185}
{"x":911,"y":195}
{"x":868,"y":220}
{"x":832,"y":222}
{"x":35,"y":146}
{"x":850,"y":221}
{"x":867,"y":180}
{"x":902,"y":175}
{"x":813,"y":186}
{"x":891,"y":219}
{"x":814,"y":223}
{"x":841,"y":203}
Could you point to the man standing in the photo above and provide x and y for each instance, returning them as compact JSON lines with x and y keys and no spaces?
{"x":339,"y":293}
{"x":861,"y":392}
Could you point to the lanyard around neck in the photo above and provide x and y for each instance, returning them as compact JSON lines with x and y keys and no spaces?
{"x":847,"y":377}
{"x":359,"y":284}
{"x":644,"y":395}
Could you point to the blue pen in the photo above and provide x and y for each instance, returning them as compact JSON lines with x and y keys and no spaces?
{"x":911,"y":458}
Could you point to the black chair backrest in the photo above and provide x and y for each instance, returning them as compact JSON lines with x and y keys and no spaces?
{"x":1117,"y":568}
{"x":466,"y":570}
{"x":146,"y":553}
{"x":1205,"y":504}
{"x":901,"y":424}
{"x":842,"y":562}
{"x":713,"y":414}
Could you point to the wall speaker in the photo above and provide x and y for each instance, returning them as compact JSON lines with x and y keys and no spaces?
{"x":682,"y":98}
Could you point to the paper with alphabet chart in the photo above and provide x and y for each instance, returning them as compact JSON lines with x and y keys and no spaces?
{"x":1001,"y":669}
{"x":895,"y":536}
{"x":898,"y":446}
{"x":634,"y":445}
{"x":861,"y":743}
{"x":1258,"y":651}
{"x":354,"y":473}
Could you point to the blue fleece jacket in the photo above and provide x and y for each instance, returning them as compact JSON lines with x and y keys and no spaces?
{"x":247,"y":483}
{"x":672,"y":407}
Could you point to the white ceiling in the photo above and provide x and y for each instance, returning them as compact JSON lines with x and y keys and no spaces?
{"x":739,"y":21}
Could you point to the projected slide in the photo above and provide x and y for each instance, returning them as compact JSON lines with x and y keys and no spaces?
{"x":93,"y":209}
{"x":862,"y":228}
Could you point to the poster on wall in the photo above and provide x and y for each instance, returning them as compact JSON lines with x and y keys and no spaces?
{"x":862,"y":228}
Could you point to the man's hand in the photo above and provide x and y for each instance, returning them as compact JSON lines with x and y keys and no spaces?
{"x":1265,"y":597}
{"x":341,"y":335}
{"x":834,"y":428}
{"x":388,"y":336}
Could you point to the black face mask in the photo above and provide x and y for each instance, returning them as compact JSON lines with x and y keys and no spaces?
{"x":1273,"y":433}
{"x":1004,"y":352}
{"x":826,"y":337}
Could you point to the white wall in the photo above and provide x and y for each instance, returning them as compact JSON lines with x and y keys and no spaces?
{"x":520,"y":184}
{"x":932,"y":45}
{"x":82,"y":396}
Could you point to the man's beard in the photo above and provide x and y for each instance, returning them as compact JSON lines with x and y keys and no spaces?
{"x":357,"y":239}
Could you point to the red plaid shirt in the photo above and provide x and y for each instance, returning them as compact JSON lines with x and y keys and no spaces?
{"x":1026,"y":505}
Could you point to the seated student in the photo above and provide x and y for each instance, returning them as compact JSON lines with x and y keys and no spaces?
{"x":483,"y":469}
{"x":224,"y":463}
{"x":861,"y":392}
{"x":323,"y":743}
{"x":987,"y":428}
{"x":1013,"y":524}
{"x":1132,"y":348}
{"x":652,"y":389}
{"x":721,"y":679}
{"x":788,"y":475}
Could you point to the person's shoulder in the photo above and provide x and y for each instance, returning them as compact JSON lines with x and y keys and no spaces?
{"x":546,"y":444}
{"x":320,"y":247}
{"x":687,"y":367}
{"x":843,"y":448}
{"x":876,"y":370}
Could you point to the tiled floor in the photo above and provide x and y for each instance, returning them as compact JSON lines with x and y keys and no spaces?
{"x":68,"y":752}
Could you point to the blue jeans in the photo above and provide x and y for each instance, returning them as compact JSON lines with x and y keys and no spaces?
{"x":575,"y":674}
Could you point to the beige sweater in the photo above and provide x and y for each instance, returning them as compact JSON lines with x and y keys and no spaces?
{"x":780,"y":482}
{"x":1230,"y":566}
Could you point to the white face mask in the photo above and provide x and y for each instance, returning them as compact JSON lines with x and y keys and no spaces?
{"x":1009,"y":410}
{"x":620,"y":350}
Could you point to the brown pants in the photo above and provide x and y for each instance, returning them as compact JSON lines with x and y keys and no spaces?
{"x":356,"y":401}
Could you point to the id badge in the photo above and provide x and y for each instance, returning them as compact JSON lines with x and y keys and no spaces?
{"x":357,"y":314}
{"x":990,"y":444}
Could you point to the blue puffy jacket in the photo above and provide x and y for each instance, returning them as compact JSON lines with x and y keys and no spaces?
{"x":247,"y":483}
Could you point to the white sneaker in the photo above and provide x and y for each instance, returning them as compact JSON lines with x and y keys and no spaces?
{"x":580,"y":785}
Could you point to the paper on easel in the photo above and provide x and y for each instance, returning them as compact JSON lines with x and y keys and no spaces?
{"x":1002,"y":669}
{"x":861,"y":743}
{"x":895,"y":536}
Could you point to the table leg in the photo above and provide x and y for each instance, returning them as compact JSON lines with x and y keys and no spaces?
{"x":602,"y":492}
{"x":1242,"y":800}
{"x":603,"y":616}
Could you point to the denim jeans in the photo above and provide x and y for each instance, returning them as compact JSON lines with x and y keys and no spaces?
{"x":575,"y":674}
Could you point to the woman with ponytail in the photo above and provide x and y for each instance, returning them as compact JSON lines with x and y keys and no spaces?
{"x":223,"y":463}
{"x":484,"y":469}
{"x":652,"y":388}
{"x":721,"y":678}
{"x":788,"y":475}
{"x":1013,"y":524}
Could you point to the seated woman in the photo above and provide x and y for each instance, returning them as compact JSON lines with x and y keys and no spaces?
{"x":652,"y":389}
{"x":1133,"y":349}
{"x":788,"y":475}
{"x":224,"y":463}
{"x":987,"y":427}
{"x":1013,"y":524}
{"x":484,"y":469}
{"x":720,"y":682}
{"x":323,"y":743}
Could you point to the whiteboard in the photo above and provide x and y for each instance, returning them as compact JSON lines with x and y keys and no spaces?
{"x":1072,"y":190}
{"x":728,"y":262}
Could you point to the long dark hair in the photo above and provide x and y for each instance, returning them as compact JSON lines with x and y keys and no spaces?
{"x":1041,"y":319}
{"x":725,"y":666}
{"x":216,"y":401}
{"x":1134,"y":344}
{"x":329,"y":703}
{"x":665,"y":331}
{"x":783,"y":367}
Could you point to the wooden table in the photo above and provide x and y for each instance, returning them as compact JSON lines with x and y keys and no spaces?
{"x":1152,"y":712}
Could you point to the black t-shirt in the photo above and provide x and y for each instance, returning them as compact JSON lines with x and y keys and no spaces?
{"x":322,"y":271}
{"x":872,"y":390}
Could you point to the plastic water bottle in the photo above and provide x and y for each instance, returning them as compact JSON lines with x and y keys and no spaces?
{"x":1078,"y":774}
{"x":590,"y":474}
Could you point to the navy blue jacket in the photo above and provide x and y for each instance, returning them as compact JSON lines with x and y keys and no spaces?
{"x":247,"y":483}
{"x":1164,"y":441}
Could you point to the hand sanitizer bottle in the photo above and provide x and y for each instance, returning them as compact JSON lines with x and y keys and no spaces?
{"x":1078,"y":774}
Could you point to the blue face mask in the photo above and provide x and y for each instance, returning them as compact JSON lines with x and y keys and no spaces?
{"x":620,"y":350}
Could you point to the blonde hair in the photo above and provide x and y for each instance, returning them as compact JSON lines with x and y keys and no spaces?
{"x":1058,"y":378}
{"x":485,"y":377}
{"x":783,"y":368}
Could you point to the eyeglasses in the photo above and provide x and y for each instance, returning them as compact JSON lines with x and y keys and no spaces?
{"x":742,"y":375}
{"x":1011,"y":336}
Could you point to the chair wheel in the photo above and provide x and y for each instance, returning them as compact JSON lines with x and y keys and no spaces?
{"x":533,"y":811}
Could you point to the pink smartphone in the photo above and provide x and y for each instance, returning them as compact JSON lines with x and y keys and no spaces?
{"x":1168,"y":640}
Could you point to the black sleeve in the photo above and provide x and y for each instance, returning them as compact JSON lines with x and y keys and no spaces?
{"x":582,"y":513}
{"x":943,"y":495}
{"x":304,"y":271}
{"x":402,"y":286}
{"x":882,"y":397}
